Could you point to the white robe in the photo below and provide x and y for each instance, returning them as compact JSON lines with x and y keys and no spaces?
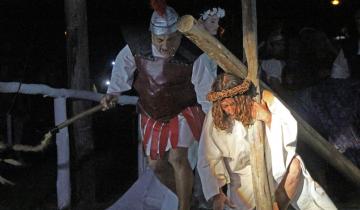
{"x":224,"y":159}
{"x":204,"y":75}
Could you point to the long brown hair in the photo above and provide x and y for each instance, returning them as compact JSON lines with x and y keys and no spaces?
{"x":243,"y":103}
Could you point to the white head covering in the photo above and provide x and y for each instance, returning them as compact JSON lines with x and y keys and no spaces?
{"x":219,"y":12}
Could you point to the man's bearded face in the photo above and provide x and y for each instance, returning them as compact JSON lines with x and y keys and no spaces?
{"x":167,"y":44}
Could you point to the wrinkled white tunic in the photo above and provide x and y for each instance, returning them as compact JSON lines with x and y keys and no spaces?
{"x":224,"y":159}
{"x":203,"y":75}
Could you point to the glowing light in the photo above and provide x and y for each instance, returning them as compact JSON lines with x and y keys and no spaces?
{"x":335,"y":2}
{"x":65,"y":33}
{"x":107,"y":82}
{"x":113,"y":63}
{"x":340,"y":37}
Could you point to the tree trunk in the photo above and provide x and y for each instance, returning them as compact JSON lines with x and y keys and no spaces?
{"x":257,"y":131}
{"x":79,"y":78}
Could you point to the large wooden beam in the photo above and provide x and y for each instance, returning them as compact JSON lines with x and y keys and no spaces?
{"x":211,"y":46}
{"x":187,"y":25}
{"x":258,"y":160}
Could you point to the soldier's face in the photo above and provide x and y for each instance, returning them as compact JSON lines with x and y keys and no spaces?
{"x":168,"y":44}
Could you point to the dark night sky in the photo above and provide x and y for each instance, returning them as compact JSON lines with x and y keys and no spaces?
{"x":33,"y":31}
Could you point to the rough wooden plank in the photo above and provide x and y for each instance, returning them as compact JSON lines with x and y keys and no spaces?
{"x":209,"y":44}
{"x":258,"y":160}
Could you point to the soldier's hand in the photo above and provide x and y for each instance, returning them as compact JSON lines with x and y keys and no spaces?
{"x":108,"y":101}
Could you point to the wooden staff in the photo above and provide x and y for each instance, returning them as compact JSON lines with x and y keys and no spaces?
{"x":256,"y":132}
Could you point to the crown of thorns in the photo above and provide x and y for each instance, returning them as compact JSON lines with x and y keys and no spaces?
{"x":240,"y":89}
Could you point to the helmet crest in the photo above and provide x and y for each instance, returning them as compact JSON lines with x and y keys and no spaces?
{"x":159,"y":6}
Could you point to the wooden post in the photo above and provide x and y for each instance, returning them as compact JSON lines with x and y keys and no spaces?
{"x":257,"y":131}
{"x":63,"y":184}
{"x":79,"y":78}
{"x":78,"y":69}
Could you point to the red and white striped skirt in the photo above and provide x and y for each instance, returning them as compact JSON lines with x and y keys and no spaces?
{"x":180,"y":131}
